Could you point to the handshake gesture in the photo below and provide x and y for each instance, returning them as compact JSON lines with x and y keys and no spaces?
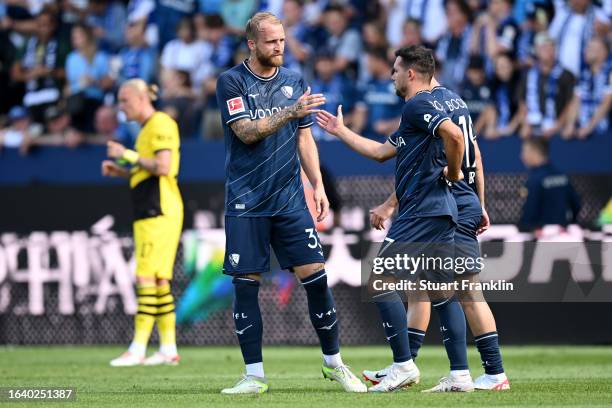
{"x":306,"y":104}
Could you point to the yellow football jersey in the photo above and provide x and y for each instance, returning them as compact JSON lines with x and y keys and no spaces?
{"x":152,"y":195}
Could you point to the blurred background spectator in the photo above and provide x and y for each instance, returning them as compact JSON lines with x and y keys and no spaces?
{"x":547,"y":92}
{"x":528,"y":68}
{"x":87,"y":75}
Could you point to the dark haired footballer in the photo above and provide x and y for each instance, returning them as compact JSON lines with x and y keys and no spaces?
{"x":266,"y":117}
{"x":473,"y":220}
{"x":427,"y":213}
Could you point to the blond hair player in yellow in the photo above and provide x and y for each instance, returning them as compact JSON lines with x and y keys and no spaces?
{"x":158,"y":219}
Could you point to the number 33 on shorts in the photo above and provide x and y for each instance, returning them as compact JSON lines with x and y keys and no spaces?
{"x":313,"y":240}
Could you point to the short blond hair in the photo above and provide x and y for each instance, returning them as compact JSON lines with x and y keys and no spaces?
{"x":151,"y":90}
{"x":253,"y":26}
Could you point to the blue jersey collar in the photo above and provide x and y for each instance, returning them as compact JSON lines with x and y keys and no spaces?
{"x":271,"y":77}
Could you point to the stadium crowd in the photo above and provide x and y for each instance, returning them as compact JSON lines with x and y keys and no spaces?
{"x":526,"y":68}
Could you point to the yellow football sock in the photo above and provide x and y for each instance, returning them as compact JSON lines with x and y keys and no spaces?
{"x":166,"y":318}
{"x":145,"y":317}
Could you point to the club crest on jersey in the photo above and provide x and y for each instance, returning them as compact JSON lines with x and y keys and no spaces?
{"x":235,"y":105}
{"x":234,"y":259}
{"x":287,"y":91}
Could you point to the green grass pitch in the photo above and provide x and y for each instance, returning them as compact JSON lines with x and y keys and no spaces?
{"x":540,"y":376}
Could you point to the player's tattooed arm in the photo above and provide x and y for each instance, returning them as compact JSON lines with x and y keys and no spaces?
{"x":252,"y":131}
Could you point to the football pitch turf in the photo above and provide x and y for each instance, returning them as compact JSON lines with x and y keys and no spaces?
{"x":540,"y":376}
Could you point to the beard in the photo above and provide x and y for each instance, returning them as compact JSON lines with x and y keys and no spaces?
{"x":400,"y":92}
{"x":271,"y":61}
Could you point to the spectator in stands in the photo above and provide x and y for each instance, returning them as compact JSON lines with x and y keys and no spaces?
{"x":590,"y":110}
{"x":108,"y":19}
{"x":178,"y":101}
{"x":503,"y":116}
{"x":59,"y":130}
{"x":428,"y":13}
{"x":185,"y":53}
{"x":336,"y":88}
{"x":297,"y":50}
{"x":495,"y":32}
{"x":379,"y":108}
{"x":138,"y":60}
{"x":453,"y":49}
{"x":572,"y":28}
{"x":546,"y":92}
{"x":550,"y":199}
{"x":142,"y":13}
{"x":219,"y":49}
{"x":40,"y":65}
{"x":411,"y":34}
{"x":168,"y":15}
{"x":106,"y":126}
{"x":536,"y":21}
{"x":373,"y":35}
{"x":10,"y":91}
{"x":18,"y":133}
{"x":235,"y":13}
{"x":87,"y":74}
{"x":57,"y":125}
{"x":343,"y":41}
{"x":476,"y":92}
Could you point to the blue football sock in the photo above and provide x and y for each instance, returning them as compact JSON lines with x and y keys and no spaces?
{"x":452,"y":327}
{"x":322,"y":312}
{"x":416,"y":337}
{"x":488,"y":347}
{"x":393,"y":317}
{"x":247,"y":319}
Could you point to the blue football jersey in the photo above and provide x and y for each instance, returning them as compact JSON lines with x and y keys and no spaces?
{"x":419,"y":186}
{"x":263,"y":178}
{"x":464,"y":191}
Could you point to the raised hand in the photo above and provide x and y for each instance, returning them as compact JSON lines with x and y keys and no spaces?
{"x":307,"y":103}
{"x":330,"y":123}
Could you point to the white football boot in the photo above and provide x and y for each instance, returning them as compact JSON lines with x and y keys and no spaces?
{"x":159,"y":358}
{"x":397,"y":377}
{"x":375,"y":376}
{"x":249,"y":384}
{"x":497,"y":382}
{"x":453,"y":383}
{"x":127,"y":359}
{"x":345,"y":377}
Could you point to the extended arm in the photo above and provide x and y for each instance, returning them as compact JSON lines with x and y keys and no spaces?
{"x":366,"y":147}
{"x":252,"y":131}
{"x":158,"y":165}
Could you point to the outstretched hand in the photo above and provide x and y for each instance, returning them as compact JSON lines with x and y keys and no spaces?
{"x":330,"y":123}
